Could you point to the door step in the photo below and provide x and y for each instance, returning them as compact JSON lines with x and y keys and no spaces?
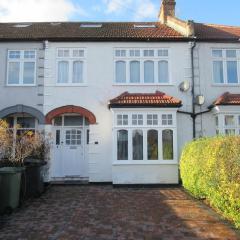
{"x":70,"y":181}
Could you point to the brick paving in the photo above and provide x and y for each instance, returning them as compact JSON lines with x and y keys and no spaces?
{"x":103,"y":212}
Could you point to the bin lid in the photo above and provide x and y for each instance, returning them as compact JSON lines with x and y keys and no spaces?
{"x":9,"y":170}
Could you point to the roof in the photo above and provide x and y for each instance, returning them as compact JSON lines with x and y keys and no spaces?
{"x":228,"y":99}
{"x":157,"y":99}
{"x":216,"y":32}
{"x":71,"y":31}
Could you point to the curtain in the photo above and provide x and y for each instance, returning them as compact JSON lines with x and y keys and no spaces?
{"x":218,"y":71}
{"x":77,"y":72}
{"x":149,"y":72}
{"x":13,"y":72}
{"x":120,"y":72}
{"x":232,"y":72}
{"x":63,"y":70}
{"x":137,"y":144}
{"x":163,"y":75}
{"x":135,"y":72}
{"x":122,"y":145}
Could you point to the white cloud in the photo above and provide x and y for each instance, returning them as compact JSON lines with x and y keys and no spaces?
{"x":38,"y":10}
{"x":139,"y":9}
{"x":146,"y":9}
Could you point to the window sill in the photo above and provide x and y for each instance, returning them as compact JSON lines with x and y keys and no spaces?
{"x":71,"y":85}
{"x":143,"y":84}
{"x":21,"y":85}
{"x":145,"y":163}
{"x":226,"y":85}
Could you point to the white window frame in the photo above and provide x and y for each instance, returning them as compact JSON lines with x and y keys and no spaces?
{"x":221,"y":128}
{"x":70,"y":61}
{"x":21,"y":61}
{"x":127,"y":59}
{"x":224,"y":60}
{"x":130,"y":128}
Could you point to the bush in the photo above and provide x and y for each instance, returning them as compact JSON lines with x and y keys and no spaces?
{"x":210,"y":169}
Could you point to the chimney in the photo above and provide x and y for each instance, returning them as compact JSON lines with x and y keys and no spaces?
{"x":167,"y":9}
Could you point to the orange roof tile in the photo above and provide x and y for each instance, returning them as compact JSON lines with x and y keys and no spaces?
{"x":228,"y":99}
{"x":158,"y":99}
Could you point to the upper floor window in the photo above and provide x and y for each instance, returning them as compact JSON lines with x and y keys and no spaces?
{"x":226,"y":66}
{"x":142,"y":66}
{"x":70,"y":66}
{"x":21,"y":67}
{"x":228,"y":123}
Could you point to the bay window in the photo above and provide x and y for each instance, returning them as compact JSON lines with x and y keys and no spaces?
{"x":226,"y":66}
{"x":142,"y":66}
{"x":142,"y":138}
{"x":21,"y":67}
{"x":71,"y":66}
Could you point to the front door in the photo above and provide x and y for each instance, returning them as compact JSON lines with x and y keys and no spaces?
{"x":70,"y":152}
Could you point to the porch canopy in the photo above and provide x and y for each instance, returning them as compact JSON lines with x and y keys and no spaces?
{"x":70,"y":109}
{"x":148,"y":100}
{"x":23,"y":109}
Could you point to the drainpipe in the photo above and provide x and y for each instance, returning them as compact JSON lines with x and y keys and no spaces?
{"x":193,"y":115}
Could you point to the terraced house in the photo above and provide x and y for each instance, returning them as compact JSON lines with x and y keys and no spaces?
{"x":120,"y":99}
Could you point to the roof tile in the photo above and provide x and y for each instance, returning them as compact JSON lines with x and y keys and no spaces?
{"x":228,"y":99}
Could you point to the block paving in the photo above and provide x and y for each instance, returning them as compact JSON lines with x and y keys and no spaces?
{"x":104,"y":212}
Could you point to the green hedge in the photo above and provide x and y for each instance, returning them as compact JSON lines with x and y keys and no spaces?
{"x":210,"y":168}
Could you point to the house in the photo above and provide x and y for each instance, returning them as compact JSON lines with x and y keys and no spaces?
{"x":120,"y":99}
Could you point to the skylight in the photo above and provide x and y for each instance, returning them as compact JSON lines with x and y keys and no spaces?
{"x":144,"y":26}
{"x":91,"y":25}
{"x":21,"y":25}
{"x":55,"y":23}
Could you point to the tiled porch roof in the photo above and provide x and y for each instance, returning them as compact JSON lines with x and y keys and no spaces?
{"x":157,"y":99}
{"x":228,"y":99}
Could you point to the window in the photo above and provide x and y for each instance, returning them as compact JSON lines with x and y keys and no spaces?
{"x":140,"y":137}
{"x":120,"y":72}
{"x":73,"y":137}
{"x":134,"y":72}
{"x":149,"y":72}
{"x":21,"y":67}
{"x":142,"y":66}
{"x":137,"y":144}
{"x":122,"y":145}
{"x":226,"y":66}
{"x":152,"y":144}
{"x":228,"y":124}
{"x":71,"y":66}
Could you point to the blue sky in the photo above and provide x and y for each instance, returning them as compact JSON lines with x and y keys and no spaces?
{"x":208,"y":11}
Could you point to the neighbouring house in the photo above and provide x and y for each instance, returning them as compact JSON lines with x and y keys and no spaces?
{"x":120,"y":99}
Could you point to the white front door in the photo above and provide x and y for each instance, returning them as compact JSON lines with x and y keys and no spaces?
{"x":69,"y":153}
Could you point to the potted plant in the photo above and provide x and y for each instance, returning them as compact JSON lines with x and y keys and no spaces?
{"x":34,"y":165}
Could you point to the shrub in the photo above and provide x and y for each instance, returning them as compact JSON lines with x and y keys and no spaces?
{"x":210,"y":168}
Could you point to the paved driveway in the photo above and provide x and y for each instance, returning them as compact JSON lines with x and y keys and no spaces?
{"x":103,"y":212}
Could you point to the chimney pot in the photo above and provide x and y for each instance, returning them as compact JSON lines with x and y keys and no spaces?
{"x":167,"y":9}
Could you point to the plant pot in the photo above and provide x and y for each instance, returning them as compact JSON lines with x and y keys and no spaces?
{"x":33,"y":183}
{"x":10,"y":188}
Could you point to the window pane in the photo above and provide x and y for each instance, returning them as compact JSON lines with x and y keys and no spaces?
{"x":137,"y":144}
{"x":134,"y":53}
{"x":58,"y":121}
{"x":26,"y":122}
{"x":77,"y":72}
{"x":78,"y":53}
{"x":73,"y":121}
{"x":148,"y":53}
{"x":152,"y":141}
{"x":167,"y":144}
{"x":218,"y":71}
{"x":230,"y":131}
{"x":134,"y":72}
{"x":63,"y":69}
{"x":28,"y":72}
{"x":231,"y":53}
{"x":122,"y":145}
{"x":163,"y":76}
{"x":29,"y":54}
{"x":13,"y":72}
{"x":149,"y":72}
{"x":232,"y":72}
{"x":120,"y":72}
{"x":229,"y":120}
{"x":14,"y":54}
{"x":217,"y":53}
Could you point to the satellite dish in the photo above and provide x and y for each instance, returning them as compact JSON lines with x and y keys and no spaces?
{"x":200,"y":100}
{"x":184,"y":86}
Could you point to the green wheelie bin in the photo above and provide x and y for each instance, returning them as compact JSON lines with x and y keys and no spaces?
{"x":10,"y":188}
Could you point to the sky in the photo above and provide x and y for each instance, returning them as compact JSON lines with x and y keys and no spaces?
{"x":205,"y":11}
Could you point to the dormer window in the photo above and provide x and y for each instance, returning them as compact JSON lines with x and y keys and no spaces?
{"x":91,"y":25}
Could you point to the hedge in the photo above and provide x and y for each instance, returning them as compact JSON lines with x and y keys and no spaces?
{"x":210,"y":169}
